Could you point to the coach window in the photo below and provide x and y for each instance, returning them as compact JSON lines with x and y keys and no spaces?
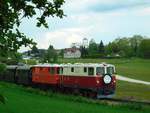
{"x":72,"y":69}
{"x":85,"y":69}
{"x":90,"y":71}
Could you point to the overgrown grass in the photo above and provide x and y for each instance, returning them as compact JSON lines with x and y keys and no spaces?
{"x":28,"y":100}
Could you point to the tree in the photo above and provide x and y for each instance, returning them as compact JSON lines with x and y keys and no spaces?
{"x":34,"y":49}
{"x":112,"y":49}
{"x":84,"y":52}
{"x":101,"y":49}
{"x":124,"y":46}
{"x":134,"y":43}
{"x":51,"y":55}
{"x":93,"y":50}
{"x":11,"y":14}
{"x":144,"y":48}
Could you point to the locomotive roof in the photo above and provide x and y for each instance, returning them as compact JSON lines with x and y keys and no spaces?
{"x":47,"y":65}
{"x":74,"y":65}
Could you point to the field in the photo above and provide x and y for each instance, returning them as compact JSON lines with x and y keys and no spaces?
{"x":27,"y":100}
{"x":132,"y":91}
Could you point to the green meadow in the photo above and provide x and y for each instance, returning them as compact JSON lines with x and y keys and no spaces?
{"x":28,"y":100}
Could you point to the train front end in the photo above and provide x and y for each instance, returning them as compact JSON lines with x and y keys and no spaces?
{"x":107,"y":79}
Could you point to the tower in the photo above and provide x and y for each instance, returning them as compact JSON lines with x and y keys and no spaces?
{"x":85,"y":42}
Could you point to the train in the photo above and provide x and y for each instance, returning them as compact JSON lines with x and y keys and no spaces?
{"x":96,"y":80}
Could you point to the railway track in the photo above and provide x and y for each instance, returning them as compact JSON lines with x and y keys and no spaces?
{"x":126,"y":101}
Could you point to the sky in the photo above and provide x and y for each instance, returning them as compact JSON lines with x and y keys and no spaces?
{"x":103,"y":20}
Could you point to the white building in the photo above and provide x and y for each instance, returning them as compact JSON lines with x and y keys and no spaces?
{"x":72,"y":53}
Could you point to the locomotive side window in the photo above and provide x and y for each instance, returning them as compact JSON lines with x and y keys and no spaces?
{"x":90,"y":71}
{"x":100,"y":70}
{"x":72,"y":69}
{"x":85,"y":69}
{"x":58,"y":70}
{"x":61,"y":72}
{"x":52,"y":70}
{"x":110,"y":70}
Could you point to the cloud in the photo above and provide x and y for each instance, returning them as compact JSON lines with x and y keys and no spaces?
{"x":62,"y":38}
{"x":144,"y":12}
{"x":82,"y":6}
{"x":104,"y":7}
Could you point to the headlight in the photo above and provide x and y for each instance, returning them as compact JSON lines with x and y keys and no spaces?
{"x":107,"y":79}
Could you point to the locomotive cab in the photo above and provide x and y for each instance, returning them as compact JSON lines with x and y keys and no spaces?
{"x":106,"y":76}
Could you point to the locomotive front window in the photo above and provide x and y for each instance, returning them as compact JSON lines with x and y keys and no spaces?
{"x":110,"y":70}
{"x":90,"y":71}
{"x":100,"y":70}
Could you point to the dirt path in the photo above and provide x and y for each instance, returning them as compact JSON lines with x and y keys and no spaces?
{"x":119,"y":77}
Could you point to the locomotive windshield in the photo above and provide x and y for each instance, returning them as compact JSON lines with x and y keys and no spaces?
{"x":100,"y":70}
{"x":110,"y":70}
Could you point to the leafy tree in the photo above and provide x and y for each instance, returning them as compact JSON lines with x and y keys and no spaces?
{"x":144,"y":48}
{"x":134,"y":43}
{"x":51,"y":55}
{"x":11,"y":14}
{"x":112,"y":49}
{"x":124,"y":46}
{"x":93,"y":50}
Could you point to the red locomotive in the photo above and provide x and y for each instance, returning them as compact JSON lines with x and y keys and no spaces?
{"x":94,"y":80}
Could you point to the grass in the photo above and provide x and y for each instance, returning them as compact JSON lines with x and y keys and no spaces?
{"x":132,"y":91}
{"x":23,"y":100}
{"x":137,"y":69}
{"x":133,"y":68}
